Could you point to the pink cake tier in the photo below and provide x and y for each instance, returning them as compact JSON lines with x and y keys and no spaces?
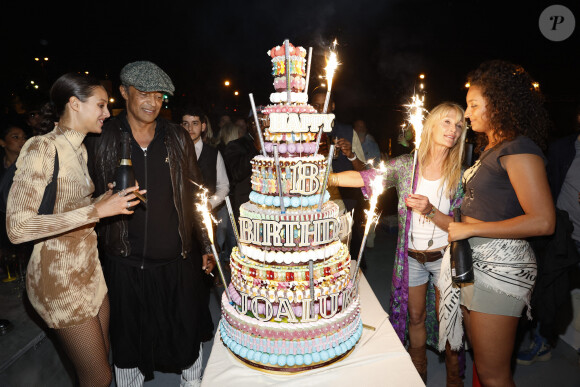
{"x":280,"y":106}
{"x":286,"y":345}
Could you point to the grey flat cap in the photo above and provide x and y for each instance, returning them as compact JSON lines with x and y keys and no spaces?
{"x":146,"y":76}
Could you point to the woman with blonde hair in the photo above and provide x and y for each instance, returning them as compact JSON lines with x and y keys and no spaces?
{"x":425,"y":209}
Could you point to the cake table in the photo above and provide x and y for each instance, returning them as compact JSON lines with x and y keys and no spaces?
{"x":379,"y":359}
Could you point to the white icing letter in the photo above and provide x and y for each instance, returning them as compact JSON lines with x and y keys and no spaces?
{"x":244,"y":303}
{"x":288,"y":312}
{"x":271,"y":233}
{"x":268,"y":310}
{"x":306,"y":310}
{"x":289,"y":226}
{"x":246,"y":234}
{"x":305,"y":233}
{"x":333,"y":305}
{"x":302,"y":174}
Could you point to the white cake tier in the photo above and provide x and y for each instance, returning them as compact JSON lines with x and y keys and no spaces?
{"x":293,"y":256}
{"x":291,"y":282}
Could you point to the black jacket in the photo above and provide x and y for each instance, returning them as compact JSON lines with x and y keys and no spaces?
{"x":237,"y":157}
{"x":103,"y":151}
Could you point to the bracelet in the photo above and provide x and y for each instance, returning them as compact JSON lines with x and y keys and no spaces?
{"x":332,"y":180}
{"x":431,"y":213}
{"x":353,"y":157}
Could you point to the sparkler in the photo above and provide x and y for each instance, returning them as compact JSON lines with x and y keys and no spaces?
{"x":256,"y":121}
{"x":415,"y":112}
{"x":279,"y":179}
{"x":287,"y":57}
{"x":208,"y":221}
{"x":308,"y":70}
{"x":376,"y":190}
{"x":233,"y":221}
{"x":331,"y":65}
{"x":325,"y":182}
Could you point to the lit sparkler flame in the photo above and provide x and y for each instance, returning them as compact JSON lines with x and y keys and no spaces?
{"x":376,"y":189}
{"x":416,"y":115}
{"x":203,"y":208}
{"x":372,"y":218}
{"x":208,"y":221}
{"x":331,"y":65}
{"x":330,"y":68}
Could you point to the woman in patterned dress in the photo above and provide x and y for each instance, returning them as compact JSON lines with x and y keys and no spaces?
{"x":425,"y":206}
{"x":65,"y":283}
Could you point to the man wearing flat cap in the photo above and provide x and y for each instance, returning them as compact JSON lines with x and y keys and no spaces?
{"x":154,"y":259}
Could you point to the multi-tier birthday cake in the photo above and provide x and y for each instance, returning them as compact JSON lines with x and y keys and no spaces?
{"x":294,"y":306}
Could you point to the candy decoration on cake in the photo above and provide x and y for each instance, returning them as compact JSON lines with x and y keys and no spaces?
{"x":294,"y":304}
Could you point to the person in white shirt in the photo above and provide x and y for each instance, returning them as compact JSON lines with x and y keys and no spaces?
{"x":215,"y":179}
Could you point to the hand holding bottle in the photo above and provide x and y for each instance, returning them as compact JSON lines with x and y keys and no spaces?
{"x":461,"y":259}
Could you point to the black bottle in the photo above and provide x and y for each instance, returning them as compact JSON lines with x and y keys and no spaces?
{"x":124,"y":174}
{"x":461,"y":259}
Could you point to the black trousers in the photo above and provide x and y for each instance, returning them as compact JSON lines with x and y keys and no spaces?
{"x":159,"y":313}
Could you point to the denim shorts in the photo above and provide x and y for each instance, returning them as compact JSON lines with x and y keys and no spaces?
{"x":419,"y":272}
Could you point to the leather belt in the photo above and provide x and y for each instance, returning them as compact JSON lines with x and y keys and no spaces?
{"x":425,"y":256}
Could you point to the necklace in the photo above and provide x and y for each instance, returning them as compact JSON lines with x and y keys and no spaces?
{"x":430,"y":242}
{"x":84,"y":167}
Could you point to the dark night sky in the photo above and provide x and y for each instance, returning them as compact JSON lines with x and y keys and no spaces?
{"x":383,"y":46}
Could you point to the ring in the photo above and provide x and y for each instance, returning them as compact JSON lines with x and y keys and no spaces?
{"x":120,"y":193}
{"x":128,"y":205}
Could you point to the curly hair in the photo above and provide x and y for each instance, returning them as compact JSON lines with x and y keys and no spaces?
{"x":514,"y":102}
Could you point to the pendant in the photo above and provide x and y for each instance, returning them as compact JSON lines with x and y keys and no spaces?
{"x":430,"y":243}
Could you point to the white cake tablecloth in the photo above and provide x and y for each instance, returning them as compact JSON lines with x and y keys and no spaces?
{"x":379,"y":359}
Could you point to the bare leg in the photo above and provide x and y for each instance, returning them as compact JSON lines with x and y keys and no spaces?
{"x":86,"y":348}
{"x":492,"y":337}
{"x":417,"y":315}
{"x":417,"y":333}
{"x":466,"y":322}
